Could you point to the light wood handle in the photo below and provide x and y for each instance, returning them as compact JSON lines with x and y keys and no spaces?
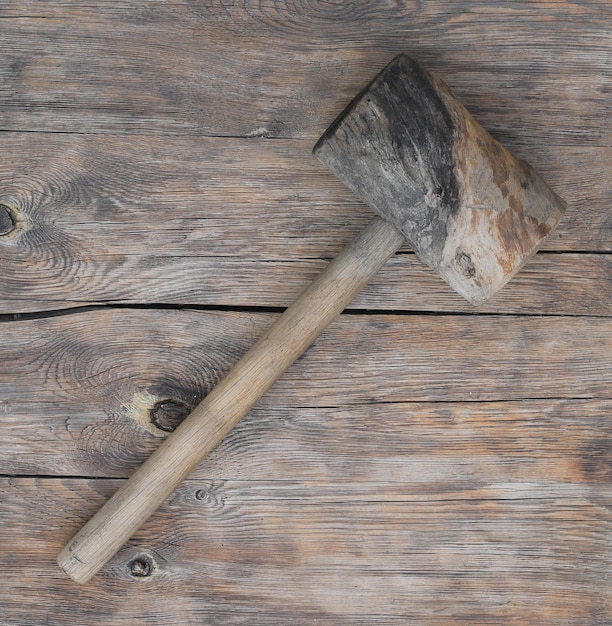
{"x":292,"y":333}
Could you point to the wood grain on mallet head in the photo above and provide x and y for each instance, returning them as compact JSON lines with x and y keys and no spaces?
{"x":469,"y":208}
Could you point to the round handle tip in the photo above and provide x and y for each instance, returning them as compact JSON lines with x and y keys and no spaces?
{"x":76,"y":569}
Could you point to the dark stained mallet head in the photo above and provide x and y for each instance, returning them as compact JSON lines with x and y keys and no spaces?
{"x":470,"y":209}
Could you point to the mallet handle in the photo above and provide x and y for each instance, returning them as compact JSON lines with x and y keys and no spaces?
{"x":292,"y":333}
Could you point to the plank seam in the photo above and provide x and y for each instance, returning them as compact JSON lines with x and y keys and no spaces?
{"x":87,"y":308}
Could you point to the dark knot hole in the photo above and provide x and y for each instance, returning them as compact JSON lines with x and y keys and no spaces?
{"x":7,"y":220}
{"x":142,"y":566}
{"x":168,"y":414}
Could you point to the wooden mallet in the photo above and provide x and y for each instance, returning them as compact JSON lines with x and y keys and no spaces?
{"x":435,"y":178}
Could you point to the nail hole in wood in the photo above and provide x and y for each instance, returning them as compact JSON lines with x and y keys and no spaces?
{"x":7,"y":220}
{"x":142,"y":566}
{"x":168,"y":414}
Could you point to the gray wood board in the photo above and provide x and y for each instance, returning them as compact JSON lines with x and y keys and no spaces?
{"x":286,"y":69}
{"x":437,"y":468}
{"x":237,"y":222}
{"x":248,"y":552}
{"x":98,"y":375}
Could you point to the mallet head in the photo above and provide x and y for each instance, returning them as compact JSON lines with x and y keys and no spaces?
{"x":469,"y":208}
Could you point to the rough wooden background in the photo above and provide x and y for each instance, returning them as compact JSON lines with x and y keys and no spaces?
{"x":424,"y":463}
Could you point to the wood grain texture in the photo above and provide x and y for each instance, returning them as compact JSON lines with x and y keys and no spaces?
{"x":244,"y":552}
{"x":78,"y":390}
{"x":433,"y":508}
{"x":282,"y":68}
{"x":568,"y":284}
{"x":145,"y":220}
{"x":457,"y":443}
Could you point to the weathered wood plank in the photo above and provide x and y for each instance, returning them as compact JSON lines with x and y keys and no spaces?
{"x":401,"y":357}
{"x":568,"y":284}
{"x":244,"y":223}
{"x":458,"y":443}
{"x":286,"y":69}
{"x":78,"y":392}
{"x":278,"y":552}
{"x":425,"y":512}
{"x":160,"y":191}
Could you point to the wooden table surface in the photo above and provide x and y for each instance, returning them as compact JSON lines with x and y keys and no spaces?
{"x":425,"y":462}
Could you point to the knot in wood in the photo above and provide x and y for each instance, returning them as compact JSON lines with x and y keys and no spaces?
{"x":7,"y":220}
{"x":142,"y":566}
{"x":465,"y":264}
{"x":168,"y":414}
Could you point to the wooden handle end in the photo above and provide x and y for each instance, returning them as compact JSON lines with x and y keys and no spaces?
{"x":75,"y":568}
